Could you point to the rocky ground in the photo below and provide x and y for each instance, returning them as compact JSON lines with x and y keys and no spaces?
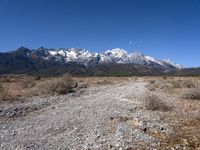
{"x":101,"y":117}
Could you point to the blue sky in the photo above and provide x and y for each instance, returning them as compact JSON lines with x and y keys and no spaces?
{"x":160,"y":28}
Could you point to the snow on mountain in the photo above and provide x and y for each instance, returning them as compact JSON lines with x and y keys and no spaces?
{"x":151,"y":59}
{"x":53,"y":53}
{"x":172,"y":63}
{"x":154,"y":60}
{"x":117,"y":55}
{"x":137,"y":58}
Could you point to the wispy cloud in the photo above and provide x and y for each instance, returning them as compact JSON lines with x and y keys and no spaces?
{"x":130,"y":42}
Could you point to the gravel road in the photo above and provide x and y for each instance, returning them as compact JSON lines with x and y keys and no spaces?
{"x":103,"y":117}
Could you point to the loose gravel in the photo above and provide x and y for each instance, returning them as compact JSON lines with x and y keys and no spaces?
{"x":103,"y":117}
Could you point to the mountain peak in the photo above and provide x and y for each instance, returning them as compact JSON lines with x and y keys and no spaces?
{"x":116,"y":55}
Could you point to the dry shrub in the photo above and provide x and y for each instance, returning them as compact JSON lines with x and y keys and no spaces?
{"x":152,"y":81}
{"x":104,"y":82}
{"x":166,"y":86}
{"x":66,"y":85}
{"x":183,"y":83}
{"x":169,"y":84}
{"x":188,"y":84}
{"x":1,"y":87}
{"x":38,"y":77}
{"x":193,"y":94}
{"x":1,"y":92}
{"x":9,"y":79}
{"x":31,"y":86}
{"x":152,"y":85}
{"x":154,"y":103}
{"x":186,"y":135}
{"x":59,"y":86}
{"x":6,"y":95}
{"x":176,"y":83}
{"x":25,"y":83}
{"x":159,"y":84}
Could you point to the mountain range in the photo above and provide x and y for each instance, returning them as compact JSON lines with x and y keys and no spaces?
{"x":24,"y":60}
{"x":114,"y":56}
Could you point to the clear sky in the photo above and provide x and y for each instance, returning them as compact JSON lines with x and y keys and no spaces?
{"x":160,"y":28}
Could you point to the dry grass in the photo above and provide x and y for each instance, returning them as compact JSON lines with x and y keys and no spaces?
{"x":99,"y":81}
{"x":14,"y":88}
{"x":1,"y":92}
{"x":152,"y":81}
{"x":186,"y":134}
{"x":185,"y":115}
{"x":185,"y":122}
{"x":173,"y":85}
{"x":62,"y":85}
{"x":187,"y":83}
{"x":155,"y":103}
{"x":7,"y":95}
{"x":51,"y":86}
{"x":193,"y":94}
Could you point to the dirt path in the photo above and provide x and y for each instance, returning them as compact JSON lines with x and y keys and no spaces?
{"x":105,"y":117}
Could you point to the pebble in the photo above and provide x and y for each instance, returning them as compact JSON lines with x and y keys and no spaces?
{"x":83,"y":120}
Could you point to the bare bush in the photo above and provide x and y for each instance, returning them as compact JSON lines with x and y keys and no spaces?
{"x":38,"y":77}
{"x":36,"y":86}
{"x":105,"y":81}
{"x":187,"y":83}
{"x":176,"y":83}
{"x":59,"y":86}
{"x":154,"y":103}
{"x":1,"y":87}
{"x":1,"y":92}
{"x":192,"y":94}
{"x":162,"y":85}
{"x":152,"y":81}
{"x":6,"y":95}
{"x":9,"y":80}
{"x":66,"y":85}
{"x":169,"y":85}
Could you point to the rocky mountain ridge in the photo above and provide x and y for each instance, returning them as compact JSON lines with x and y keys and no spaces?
{"x":114,"y":56}
{"x":115,"y":62}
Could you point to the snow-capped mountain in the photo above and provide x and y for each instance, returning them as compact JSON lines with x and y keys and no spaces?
{"x":114,"y":56}
{"x":77,"y":61}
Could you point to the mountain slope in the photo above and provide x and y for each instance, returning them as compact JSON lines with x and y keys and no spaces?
{"x":76,"y":60}
{"x":83,"y":56}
